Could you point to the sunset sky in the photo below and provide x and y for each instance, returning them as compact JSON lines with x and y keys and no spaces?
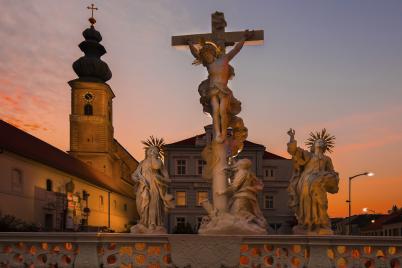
{"x":332,"y":64}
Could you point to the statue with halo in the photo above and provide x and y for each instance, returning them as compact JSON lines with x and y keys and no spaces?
{"x":152,"y":180}
{"x":313,"y":176}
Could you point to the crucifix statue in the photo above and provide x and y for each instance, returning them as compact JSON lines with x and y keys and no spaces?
{"x":217,"y":99}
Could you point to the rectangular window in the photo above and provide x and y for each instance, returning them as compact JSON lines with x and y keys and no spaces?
{"x":181,"y":199}
{"x":16,"y":180}
{"x":101,"y":202}
{"x":200,"y":165}
{"x":49,"y":185}
{"x":395,"y":232}
{"x":201,"y":196}
{"x":49,"y":222}
{"x":180,"y":220}
{"x":268,"y":201}
{"x":180,"y":167}
{"x":125,"y":207}
{"x":269,"y":173}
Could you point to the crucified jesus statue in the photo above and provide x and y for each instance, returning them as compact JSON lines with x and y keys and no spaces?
{"x":216,"y":97}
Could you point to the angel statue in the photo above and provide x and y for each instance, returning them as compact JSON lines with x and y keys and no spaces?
{"x":152,"y":180}
{"x":216,"y":97}
{"x":313,"y":176}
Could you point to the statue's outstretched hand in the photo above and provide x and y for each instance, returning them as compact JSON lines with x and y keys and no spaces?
{"x":291,"y":132}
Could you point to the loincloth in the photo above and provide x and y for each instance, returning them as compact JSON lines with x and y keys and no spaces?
{"x":207,"y":91}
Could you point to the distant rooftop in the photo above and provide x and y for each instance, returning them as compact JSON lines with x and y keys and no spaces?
{"x":192,"y":142}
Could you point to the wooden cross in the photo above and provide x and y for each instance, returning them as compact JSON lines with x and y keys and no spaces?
{"x":218,"y":35}
{"x":92,"y":19}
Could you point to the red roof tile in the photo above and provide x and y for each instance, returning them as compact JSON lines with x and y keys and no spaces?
{"x":19,"y":142}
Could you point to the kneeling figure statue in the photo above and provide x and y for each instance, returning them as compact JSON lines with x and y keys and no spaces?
{"x":244,"y":215}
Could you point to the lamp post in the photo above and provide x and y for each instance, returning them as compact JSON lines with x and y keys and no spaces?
{"x":350,"y":197}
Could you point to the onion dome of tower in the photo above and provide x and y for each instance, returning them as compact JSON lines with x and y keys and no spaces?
{"x":90,"y":67}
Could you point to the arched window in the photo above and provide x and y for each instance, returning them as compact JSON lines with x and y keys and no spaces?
{"x":49,"y":185}
{"x":16,"y":180}
{"x":88,"y":109}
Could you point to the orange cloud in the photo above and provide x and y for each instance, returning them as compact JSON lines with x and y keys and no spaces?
{"x":17,"y":104}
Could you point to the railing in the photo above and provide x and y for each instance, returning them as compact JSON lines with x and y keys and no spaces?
{"x":91,"y":250}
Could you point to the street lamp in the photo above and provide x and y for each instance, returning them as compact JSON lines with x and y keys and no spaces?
{"x":350,"y":198}
{"x":365,"y":210}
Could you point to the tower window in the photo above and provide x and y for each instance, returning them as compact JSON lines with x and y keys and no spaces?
{"x":88,"y":110}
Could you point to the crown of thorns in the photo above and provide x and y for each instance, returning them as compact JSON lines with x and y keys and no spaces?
{"x":158,"y":143}
{"x":328,"y":139}
{"x":207,"y":46}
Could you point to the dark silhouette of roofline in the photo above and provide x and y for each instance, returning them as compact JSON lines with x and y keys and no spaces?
{"x":191,"y":142}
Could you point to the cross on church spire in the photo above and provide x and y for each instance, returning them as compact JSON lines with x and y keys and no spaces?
{"x":92,"y":19}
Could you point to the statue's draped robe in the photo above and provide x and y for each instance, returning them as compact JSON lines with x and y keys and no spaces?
{"x":152,"y":199}
{"x":244,"y":201}
{"x":313,"y":177}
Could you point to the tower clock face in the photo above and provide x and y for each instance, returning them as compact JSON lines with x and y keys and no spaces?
{"x":88,"y":96}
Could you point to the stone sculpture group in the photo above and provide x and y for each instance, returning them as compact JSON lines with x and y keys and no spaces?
{"x":234,"y":206}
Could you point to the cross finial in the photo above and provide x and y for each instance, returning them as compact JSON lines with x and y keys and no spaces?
{"x":92,"y":19}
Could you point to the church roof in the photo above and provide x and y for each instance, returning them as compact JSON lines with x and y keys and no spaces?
{"x":20,"y":142}
{"x":191,"y":142}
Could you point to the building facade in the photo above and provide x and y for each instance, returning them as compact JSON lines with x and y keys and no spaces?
{"x":184,"y":163}
{"x":43,"y":185}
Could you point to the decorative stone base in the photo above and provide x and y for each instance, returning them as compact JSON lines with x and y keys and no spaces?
{"x":228,"y":224}
{"x":205,"y":251}
{"x":300,"y":230}
{"x":142,"y":229}
{"x":111,"y":250}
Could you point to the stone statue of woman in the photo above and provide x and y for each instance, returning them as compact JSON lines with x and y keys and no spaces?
{"x":152,"y":199}
{"x":313,"y":176}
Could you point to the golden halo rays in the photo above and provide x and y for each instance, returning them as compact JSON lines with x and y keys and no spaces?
{"x":328,"y":139}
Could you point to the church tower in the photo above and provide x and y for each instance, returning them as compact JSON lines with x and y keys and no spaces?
{"x":91,"y":126}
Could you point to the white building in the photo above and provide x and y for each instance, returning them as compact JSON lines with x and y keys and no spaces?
{"x":184,"y":163}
